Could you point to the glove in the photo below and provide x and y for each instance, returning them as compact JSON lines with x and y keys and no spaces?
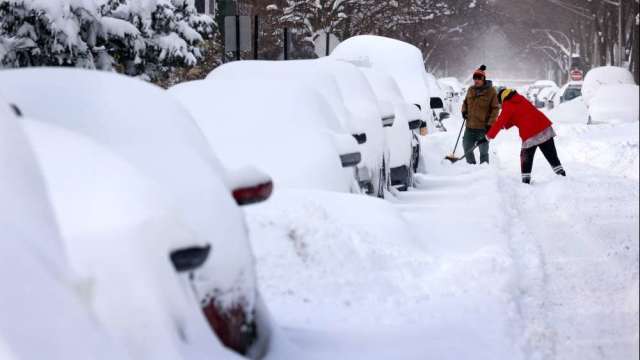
{"x":487,"y":128}
{"x":465,"y":115}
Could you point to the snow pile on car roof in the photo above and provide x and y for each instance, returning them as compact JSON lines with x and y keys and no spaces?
{"x":401,"y":60}
{"x":604,"y":75}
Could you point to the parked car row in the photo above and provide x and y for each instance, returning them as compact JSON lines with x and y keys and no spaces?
{"x":138,"y":190}
{"x":149,"y":220}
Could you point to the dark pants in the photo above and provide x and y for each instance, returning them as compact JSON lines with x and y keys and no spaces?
{"x":548,"y":149}
{"x":471,"y":137}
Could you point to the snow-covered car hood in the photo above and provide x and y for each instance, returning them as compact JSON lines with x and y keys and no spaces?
{"x":146,"y":127}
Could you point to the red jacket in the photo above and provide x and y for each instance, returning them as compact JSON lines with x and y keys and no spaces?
{"x":519,"y":112}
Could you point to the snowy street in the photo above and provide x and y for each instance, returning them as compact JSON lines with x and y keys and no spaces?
{"x":319,"y":180}
{"x":548,"y":271}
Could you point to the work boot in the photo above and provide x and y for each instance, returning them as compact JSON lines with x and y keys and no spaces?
{"x":559,"y":170}
{"x":526,"y":178}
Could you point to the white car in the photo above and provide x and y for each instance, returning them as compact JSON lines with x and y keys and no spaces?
{"x":544,"y":95}
{"x":456,"y":85}
{"x":287,"y":139}
{"x":449,"y":95}
{"x":436,"y":102}
{"x":614,"y":103}
{"x":43,"y":313}
{"x":365,"y":126}
{"x":535,"y":88}
{"x":605,"y":75}
{"x":372,"y":113}
{"x":402,"y":61}
{"x":567,"y":92}
{"x":402,"y":139}
{"x":178,"y":194}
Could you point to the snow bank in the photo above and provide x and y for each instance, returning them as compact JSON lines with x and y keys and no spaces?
{"x":605,"y":75}
{"x":573,"y":111}
{"x":317,"y":250}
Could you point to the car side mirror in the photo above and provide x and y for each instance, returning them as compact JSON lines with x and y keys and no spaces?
{"x":436,"y":103}
{"x":444,"y":115}
{"x":415,"y":124}
{"x":360,"y":138}
{"x":189,"y":259}
{"x":388,"y":121}
{"x":348,"y":149}
{"x":249,"y":185}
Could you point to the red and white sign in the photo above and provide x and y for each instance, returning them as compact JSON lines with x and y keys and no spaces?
{"x":576,"y":75}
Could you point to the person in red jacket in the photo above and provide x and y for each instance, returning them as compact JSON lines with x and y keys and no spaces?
{"x":535,"y":130}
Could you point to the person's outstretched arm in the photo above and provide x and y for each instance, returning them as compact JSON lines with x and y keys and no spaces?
{"x":502,"y":122}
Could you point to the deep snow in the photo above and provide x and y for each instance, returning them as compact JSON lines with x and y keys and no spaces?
{"x":470,"y":265}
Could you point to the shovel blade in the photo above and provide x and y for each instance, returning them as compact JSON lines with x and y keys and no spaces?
{"x":451,"y":158}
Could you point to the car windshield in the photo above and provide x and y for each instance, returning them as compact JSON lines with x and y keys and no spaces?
{"x":572,"y":93}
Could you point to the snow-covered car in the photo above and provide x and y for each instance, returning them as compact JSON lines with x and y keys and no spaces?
{"x":456,"y":85}
{"x":151,"y":135}
{"x":437,"y":101}
{"x":605,"y":75}
{"x":544,"y":95}
{"x":569,"y":91}
{"x":402,"y":139}
{"x":43,"y":313}
{"x":537,"y":87}
{"x":374,"y":115}
{"x":402,"y":61}
{"x":287,"y":139}
{"x":449,"y":95}
{"x":614,"y":103}
{"x":363,"y":124}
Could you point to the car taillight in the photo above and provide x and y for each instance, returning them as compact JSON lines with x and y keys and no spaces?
{"x":253,"y":194}
{"x":235,"y":328}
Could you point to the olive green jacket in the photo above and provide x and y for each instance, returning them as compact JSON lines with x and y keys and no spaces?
{"x":481,"y":106}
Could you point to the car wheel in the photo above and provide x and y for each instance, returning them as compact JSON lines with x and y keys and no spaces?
{"x":415,"y":158}
{"x":382,"y":179}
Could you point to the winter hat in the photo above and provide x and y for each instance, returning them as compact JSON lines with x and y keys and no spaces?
{"x":505,"y":94}
{"x":481,"y":71}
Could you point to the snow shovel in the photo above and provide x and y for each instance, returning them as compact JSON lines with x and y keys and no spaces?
{"x":453,"y":154}
{"x":454,"y":159}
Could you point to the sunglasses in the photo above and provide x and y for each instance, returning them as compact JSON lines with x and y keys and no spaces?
{"x":477,"y":77}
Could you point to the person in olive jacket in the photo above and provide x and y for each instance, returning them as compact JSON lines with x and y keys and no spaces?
{"x":480,"y":110}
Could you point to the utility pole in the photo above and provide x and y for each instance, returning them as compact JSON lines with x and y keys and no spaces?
{"x":620,"y":35}
{"x":620,"y":59}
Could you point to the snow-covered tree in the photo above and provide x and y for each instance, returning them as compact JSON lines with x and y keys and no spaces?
{"x":48,"y":32}
{"x":139,"y":37}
